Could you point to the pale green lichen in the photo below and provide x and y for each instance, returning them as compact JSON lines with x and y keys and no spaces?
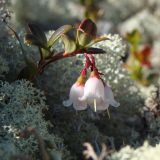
{"x":145,"y":152}
{"x":21,"y":106}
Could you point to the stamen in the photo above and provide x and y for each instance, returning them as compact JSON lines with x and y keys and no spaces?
{"x":95,"y":105}
{"x":108,"y":113}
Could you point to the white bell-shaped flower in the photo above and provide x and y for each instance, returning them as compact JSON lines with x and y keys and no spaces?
{"x":108,"y":100}
{"x":76,"y":92}
{"x":97,"y":94}
{"x":94,"y":94}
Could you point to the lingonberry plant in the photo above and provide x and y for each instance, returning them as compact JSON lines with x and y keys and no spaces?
{"x":84,"y":37}
{"x":93,"y":92}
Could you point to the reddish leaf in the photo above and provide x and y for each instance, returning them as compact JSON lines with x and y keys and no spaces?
{"x":89,"y":27}
{"x":144,"y":56}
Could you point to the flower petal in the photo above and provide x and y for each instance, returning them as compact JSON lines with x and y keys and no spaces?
{"x":102,"y":106}
{"x":76,"y":93}
{"x":114,"y":103}
{"x":80,"y":106}
{"x":93,"y":89}
{"x":67,"y":103}
{"x":109,"y":97}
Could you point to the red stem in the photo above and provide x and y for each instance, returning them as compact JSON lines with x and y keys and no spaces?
{"x":57,"y":57}
{"x":62,"y":55}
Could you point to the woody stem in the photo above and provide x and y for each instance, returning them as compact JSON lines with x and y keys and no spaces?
{"x":60,"y":56}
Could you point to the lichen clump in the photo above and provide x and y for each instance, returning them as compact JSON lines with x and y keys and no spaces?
{"x":21,"y":106}
{"x":145,"y":152}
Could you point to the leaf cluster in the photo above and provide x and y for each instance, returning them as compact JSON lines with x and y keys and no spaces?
{"x":85,"y":35}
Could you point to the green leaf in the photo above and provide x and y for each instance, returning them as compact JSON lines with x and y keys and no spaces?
{"x":70,"y":45}
{"x":96,"y":40}
{"x":84,"y":39}
{"x":134,"y":39}
{"x":45,"y":53}
{"x":136,"y":72}
{"x":31,"y":39}
{"x":38,"y":33}
{"x":94,"y":51}
{"x":57,"y":34}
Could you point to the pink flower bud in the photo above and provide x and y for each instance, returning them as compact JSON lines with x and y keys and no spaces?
{"x":88,"y":27}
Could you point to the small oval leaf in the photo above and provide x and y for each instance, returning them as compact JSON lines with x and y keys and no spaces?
{"x":46,"y":54}
{"x":38,"y":33}
{"x":56,"y":35}
{"x":69,"y":44}
{"x":31,"y":39}
{"x":96,"y":40}
{"x":84,"y":39}
{"x":94,"y":51}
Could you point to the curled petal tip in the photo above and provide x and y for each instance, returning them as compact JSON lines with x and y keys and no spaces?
{"x":115,"y":104}
{"x":67,"y":103}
